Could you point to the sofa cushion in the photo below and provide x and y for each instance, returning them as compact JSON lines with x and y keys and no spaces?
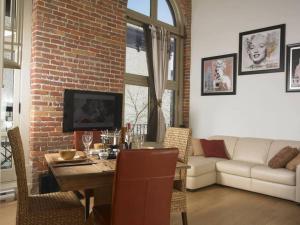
{"x":196,"y":147}
{"x":253,"y":150}
{"x":201,"y":165}
{"x":281,"y":159}
{"x":280,"y":176}
{"x":214,"y":148}
{"x":277,"y":145}
{"x":230,"y":143}
{"x":292,"y":165}
{"x":235,"y":167}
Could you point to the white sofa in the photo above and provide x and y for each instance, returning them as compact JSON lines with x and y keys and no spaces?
{"x":247,"y":168}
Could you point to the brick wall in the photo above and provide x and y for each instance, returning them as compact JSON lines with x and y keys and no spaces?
{"x":75,"y":45}
{"x":78,"y":45}
{"x":186,"y":6}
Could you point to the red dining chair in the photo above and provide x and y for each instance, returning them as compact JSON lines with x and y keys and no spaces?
{"x":77,"y":139}
{"x":78,"y":145}
{"x":142,"y":189}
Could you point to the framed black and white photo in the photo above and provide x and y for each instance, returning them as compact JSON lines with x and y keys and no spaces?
{"x":219,"y":75}
{"x":293,"y":68}
{"x":262,"y":50}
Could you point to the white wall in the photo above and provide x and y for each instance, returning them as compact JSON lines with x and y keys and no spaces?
{"x":261,"y":107}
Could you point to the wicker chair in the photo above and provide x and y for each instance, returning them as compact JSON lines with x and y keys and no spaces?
{"x":46,"y":209}
{"x":181,"y":139}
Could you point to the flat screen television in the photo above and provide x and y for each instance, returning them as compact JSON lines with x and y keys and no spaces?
{"x":89,"y":110}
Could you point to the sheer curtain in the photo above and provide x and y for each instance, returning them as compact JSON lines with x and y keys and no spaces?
{"x":160,"y":43}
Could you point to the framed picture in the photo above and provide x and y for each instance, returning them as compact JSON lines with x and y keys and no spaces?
{"x":262,"y":50}
{"x":219,"y":75}
{"x":293,"y":68}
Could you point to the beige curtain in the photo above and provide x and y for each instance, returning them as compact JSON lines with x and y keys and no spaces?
{"x":160,"y":57}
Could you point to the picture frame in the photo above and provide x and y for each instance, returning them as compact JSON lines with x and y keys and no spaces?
{"x":293,"y":68}
{"x":262,"y":50}
{"x":218,"y":75}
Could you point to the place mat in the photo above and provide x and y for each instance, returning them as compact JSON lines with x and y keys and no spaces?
{"x":66,"y":164}
{"x":76,"y":159}
{"x":106,"y":165}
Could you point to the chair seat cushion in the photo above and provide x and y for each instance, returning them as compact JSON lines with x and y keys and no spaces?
{"x":280,"y":176}
{"x":54,"y":201}
{"x":201,"y":165}
{"x":235,"y":167}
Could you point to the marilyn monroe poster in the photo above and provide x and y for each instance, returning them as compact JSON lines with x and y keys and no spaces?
{"x":219,"y":75}
{"x":262,"y":50}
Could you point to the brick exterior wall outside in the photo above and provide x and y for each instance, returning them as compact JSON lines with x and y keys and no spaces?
{"x":78,"y":45}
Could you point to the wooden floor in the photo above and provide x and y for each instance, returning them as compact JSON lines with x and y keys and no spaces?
{"x":218,"y":205}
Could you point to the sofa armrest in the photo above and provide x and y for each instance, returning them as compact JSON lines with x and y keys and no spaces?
{"x":298,"y":184}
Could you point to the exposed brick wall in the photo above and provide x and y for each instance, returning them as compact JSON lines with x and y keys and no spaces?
{"x":186,"y":6}
{"x":78,"y":45}
{"x":75,"y":45}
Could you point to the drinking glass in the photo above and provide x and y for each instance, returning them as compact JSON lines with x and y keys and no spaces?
{"x":87,"y":139}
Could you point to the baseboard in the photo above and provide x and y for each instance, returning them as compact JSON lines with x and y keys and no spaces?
{"x":8,"y":195}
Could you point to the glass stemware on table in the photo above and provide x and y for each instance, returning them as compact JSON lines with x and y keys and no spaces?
{"x":87,"y":139}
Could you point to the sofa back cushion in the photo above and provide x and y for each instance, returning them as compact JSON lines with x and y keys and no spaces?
{"x":277,"y":145}
{"x":253,"y":150}
{"x":230,"y":143}
{"x":196,"y":147}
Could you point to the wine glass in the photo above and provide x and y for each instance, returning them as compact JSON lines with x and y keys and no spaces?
{"x":142,"y":140}
{"x":87,"y":139}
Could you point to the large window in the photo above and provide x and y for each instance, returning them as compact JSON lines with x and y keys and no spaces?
{"x":13,"y":17}
{"x":139,"y":93}
{"x":11,"y":13}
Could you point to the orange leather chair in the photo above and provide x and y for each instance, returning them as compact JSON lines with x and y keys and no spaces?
{"x":142,"y":189}
{"x":78,"y":145}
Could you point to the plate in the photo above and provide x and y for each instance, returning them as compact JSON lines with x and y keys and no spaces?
{"x":76,"y":158}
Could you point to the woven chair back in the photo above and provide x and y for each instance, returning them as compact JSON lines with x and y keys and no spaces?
{"x":179,"y":138}
{"x":19,"y":161}
{"x":143,"y":187}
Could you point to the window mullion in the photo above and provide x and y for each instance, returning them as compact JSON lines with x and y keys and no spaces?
{"x":134,"y":16}
{"x":171,"y":85}
{"x":179,"y":80}
{"x":135,"y":79}
{"x":153,"y":9}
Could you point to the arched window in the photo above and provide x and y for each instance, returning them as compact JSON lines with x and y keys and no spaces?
{"x":138,"y":90}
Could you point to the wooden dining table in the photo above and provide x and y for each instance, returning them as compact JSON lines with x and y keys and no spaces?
{"x":97,"y":176}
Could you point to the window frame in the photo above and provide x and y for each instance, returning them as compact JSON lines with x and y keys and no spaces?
{"x":17,"y":33}
{"x":177,"y":32}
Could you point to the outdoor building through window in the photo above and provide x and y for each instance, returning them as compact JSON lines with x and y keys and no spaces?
{"x":139,"y":90}
{"x":11,"y":21}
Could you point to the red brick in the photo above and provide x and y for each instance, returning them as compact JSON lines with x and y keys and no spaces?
{"x":79,"y":45}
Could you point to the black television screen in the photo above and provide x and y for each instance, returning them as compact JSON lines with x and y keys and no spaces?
{"x":89,"y":110}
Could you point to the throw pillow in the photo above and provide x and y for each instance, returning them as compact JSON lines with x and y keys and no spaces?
{"x":214,"y":148}
{"x":283,"y":157}
{"x":196,"y":147}
{"x":292,"y":165}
